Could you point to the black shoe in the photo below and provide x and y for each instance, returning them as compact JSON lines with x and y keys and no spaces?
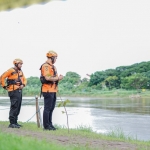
{"x":13,"y":126}
{"x":49,"y":128}
{"x":53,"y":127}
{"x":19,"y":125}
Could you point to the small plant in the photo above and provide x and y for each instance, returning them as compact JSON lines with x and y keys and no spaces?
{"x":64,"y":103}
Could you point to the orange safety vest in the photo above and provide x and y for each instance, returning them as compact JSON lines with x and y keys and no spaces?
{"x":48,"y":70}
{"x":11,"y":78}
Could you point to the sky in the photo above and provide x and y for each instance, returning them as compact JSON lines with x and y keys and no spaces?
{"x":88,"y":35}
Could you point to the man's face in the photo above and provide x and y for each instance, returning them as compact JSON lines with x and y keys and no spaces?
{"x":19,"y":65}
{"x":55,"y":59}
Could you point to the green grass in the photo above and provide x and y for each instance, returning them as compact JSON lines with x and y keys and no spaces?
{"x":119,"y":134}
{"x":24,"y":143}
{"x":13,"y":142}
{"x":115,"y":93}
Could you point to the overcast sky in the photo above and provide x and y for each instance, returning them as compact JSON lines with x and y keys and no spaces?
{"x":88,"y":35}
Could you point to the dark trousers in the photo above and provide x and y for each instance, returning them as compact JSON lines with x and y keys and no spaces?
{"x":49,"y":105}
{"x":15,"y":105}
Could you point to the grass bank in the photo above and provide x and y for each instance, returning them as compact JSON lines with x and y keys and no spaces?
{"x":81,"y":138}
{"x":116,"y":93}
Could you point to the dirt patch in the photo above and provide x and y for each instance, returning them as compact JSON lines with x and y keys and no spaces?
{"x":73,"y":140}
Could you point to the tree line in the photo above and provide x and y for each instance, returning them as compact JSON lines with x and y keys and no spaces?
{"x":136,"y":76}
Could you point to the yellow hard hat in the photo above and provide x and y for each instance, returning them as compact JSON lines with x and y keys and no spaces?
{"x":51,"y":54}
{"x":17,"y":60}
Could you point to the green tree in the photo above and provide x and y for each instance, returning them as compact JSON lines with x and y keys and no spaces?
{"x":97,"y":78}
{"x":136,"y":81}
{"x":33,"y":81}
{"x":111,"y":82}
{"x":111,"y":72}
{"x":71,"y":77}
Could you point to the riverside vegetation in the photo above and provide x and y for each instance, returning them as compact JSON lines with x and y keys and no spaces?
{"x":124,"y":81}
{"x":81,"y":138}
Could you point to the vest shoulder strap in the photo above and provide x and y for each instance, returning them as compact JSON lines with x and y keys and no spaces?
{"x":15,"y":71}
{"x":51,"y":66}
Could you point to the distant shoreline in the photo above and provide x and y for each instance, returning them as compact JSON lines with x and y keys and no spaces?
{"x":87,"y":97}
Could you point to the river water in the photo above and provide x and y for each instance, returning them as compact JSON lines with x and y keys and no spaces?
{"x":131,"y":116}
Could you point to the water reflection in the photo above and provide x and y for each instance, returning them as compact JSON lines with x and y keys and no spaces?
{"x":103,"y":115}
{"x":139,"y":106}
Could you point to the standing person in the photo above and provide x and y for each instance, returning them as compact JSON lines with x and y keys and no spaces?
{"x":49,"y":79}
{"x":15,"y":82}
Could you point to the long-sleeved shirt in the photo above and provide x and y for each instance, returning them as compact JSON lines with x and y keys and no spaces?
{"x":12,"y":74}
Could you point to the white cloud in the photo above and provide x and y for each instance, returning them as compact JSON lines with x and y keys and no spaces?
{"x":88,"y":35}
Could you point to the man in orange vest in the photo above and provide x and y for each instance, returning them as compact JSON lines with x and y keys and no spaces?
{"x":49,"y":79}
{"x":15,"y":82}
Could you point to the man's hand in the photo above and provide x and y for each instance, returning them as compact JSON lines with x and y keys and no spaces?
{"x":60,"y":77}
{"x":21,"y":87}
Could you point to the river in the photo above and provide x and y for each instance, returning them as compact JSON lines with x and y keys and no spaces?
{"x":131,"y":116}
